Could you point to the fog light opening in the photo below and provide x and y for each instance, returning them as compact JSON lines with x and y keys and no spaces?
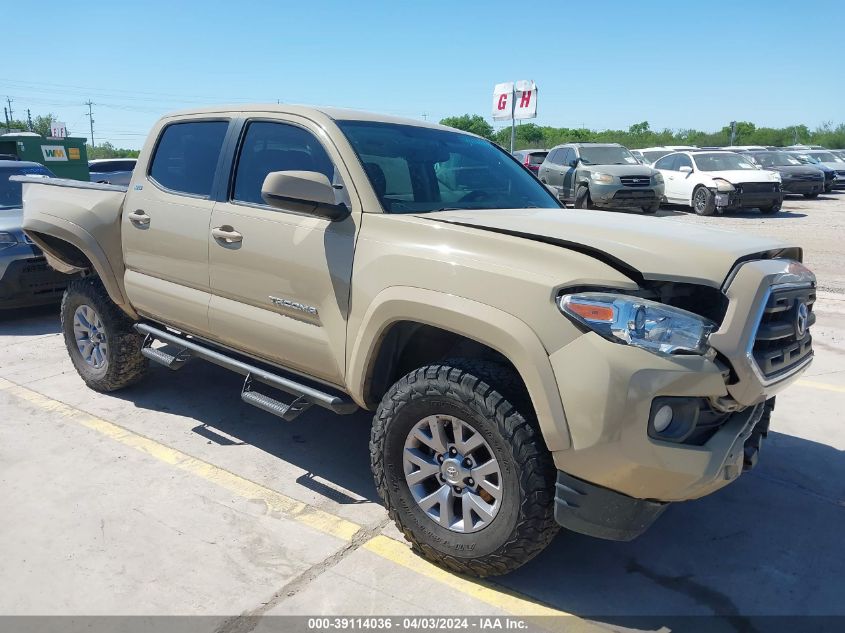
{"x":663,"y":418}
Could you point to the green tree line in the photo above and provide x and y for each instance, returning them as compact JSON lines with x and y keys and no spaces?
{"x":530,"y":135}
{"x":41,"y":125}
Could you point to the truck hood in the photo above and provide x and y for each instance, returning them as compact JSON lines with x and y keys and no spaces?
{"x":641,"y":248}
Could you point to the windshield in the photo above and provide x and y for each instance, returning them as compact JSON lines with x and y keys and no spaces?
{"x":655,"y":154}
{"x":416,"y":169}
{"x":610,"y":155}
{"x":775,"y":159}
{"x":10,"y":192}
{"x":826,"y":157}
{"x":724,"y":161}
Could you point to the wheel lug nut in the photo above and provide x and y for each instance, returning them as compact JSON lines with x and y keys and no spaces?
{"x":453,"y":451}
{"x":458,"y":489}
{"x":470,"y":481}
{"x":467,"y":462}
{"x":440,"y":458}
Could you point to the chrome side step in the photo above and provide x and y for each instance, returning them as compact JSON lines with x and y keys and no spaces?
{"x":305,"y":395}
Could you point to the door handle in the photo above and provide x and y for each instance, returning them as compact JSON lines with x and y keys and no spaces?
{"x":139,"y":218}
{"x":226,"y":234}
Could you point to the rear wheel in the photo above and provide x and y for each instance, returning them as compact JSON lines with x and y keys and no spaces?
{"x":461,"y":465}
{"x":583,"y":199}
{"x":703,"y":201}
{"x":103,"y":346}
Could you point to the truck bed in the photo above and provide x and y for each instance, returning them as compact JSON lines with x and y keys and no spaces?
{"x":77,"y":225}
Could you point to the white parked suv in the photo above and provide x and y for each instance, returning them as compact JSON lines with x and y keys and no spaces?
{"x":716,"y":181}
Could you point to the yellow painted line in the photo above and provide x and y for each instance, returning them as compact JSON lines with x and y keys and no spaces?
{"x":510,"y":602}
{"x":820,"y":385}
{"x":275,"y":501}
{"x":384,"y":547}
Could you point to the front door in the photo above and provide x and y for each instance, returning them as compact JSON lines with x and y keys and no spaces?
{"x":280,"y":279}
{"x":165,"y":222}
{"x":567,"y":191}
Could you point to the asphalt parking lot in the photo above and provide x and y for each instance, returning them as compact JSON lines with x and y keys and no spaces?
{"x":173,"y":497}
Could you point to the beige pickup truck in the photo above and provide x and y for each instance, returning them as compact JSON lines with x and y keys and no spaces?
{"x":529,"y":366}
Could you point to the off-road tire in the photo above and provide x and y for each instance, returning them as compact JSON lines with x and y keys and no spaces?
{"x":125,"y":365}
{"x":771,"y":210}
{"x":709,"y":206}
{"x":489,"y":397}
{"x":583,"y":199}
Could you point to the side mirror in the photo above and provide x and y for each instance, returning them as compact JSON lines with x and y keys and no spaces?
{"x":685,"y":169}
{"x":574,"y":162}
{"x":303,"y":191}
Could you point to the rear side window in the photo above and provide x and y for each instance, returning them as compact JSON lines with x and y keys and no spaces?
{"x":271,"y":147}
{"x":186,"y":156}
{"x":667,"y":162}
{"x":537,"y":158}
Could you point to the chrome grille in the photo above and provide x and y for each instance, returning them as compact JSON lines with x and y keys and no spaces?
{"x":635,"y":181}
{"x":783,"y":337}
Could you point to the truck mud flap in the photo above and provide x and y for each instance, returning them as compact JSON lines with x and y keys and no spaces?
{"x":305,"y":396}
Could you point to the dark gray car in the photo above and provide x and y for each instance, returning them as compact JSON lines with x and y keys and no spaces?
{"x":604,"y":175}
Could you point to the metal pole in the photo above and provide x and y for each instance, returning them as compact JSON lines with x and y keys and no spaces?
{"x":91,"y":122}
{"x":11,"y":114}
{"x":513,"y":118}
{"x":29,"y":119}
{"x":6,"y":114}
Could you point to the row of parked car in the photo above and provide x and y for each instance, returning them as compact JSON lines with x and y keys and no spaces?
{"x":708,"y":179}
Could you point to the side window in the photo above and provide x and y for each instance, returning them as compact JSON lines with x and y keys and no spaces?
{"x":269,"y":146}
{"x":667,"y":162}
{"x":186,"y":156}
{"x":554,"y":156}
{"x":682,"y":161}
{"x":566,"y":156}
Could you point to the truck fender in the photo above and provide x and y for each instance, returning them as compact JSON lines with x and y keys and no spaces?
{"x":59,"y":228}
{"x":485,"y":324}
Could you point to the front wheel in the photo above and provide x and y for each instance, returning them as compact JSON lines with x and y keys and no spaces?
{"x":651,"y":208}
{"x":811,"y":195}
{"x":461,"y":465}
{"x":103,"y":346}
{"x":583,"y":199}
{"x":771,"y":210}
{"x":703,"y":201}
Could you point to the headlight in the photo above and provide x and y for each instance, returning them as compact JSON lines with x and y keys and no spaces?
{"x":7,"y":240}
{"x":658,"y":177}
{"x":723,"y":185}
{"x":597,"y":176}
{"x":656,"y":327}
{"x":776,"y":176}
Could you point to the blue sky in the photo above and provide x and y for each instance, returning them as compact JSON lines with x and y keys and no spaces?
{"x":604,"y":64}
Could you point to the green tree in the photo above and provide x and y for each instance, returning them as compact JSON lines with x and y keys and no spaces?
{"x":473,"y":123}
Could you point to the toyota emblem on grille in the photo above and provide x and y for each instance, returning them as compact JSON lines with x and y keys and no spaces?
{"x":801,"y":316}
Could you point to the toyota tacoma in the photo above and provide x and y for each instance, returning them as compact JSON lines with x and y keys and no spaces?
{"x":529,"y":366}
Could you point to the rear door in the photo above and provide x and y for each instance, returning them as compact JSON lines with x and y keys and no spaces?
{"x":666,"y":166}
{"x":165,"y":223}
{"x":568,"y":178}
{"x":280,"y":280}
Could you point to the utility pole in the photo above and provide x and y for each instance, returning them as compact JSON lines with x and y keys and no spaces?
{"x":29,"y":119}
{"x":425,"y":116}
{"x":11,"y":114}
{"x":6,"y":114}
{"x":91,"y":121}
